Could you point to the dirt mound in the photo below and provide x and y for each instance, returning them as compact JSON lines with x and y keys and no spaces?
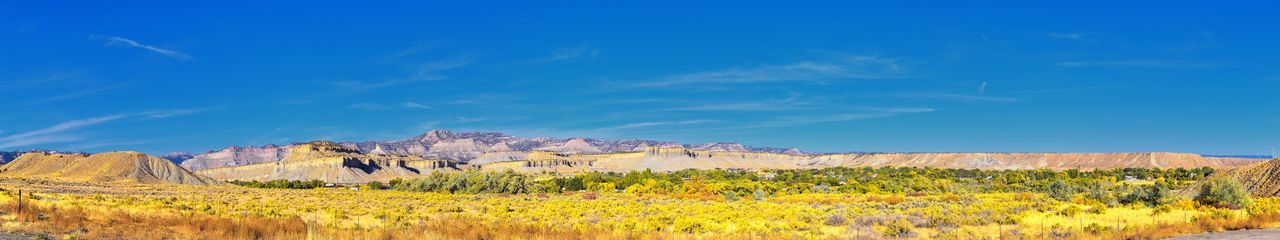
{"x":132,"y":167}
{"x":1261,"y":179}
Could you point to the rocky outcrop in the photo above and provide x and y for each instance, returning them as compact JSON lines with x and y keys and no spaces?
{"x":673,"y":159}
{"x":575,"y":145}
{"x":483,"y":148}
{"x":470,"y":147}
{"x":1022,"y":160}
{"x":236,"y":156}
{"x":333,"y":163}
{"x":110,"y":167}
{"x":548,"y":161}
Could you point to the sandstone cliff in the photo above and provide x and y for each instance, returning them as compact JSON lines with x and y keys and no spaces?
{"x":462,"y":147}
{"x":129,"y":167}
{"x":333,"y":163}
{"x":673,"y":159}
{"x":508,"y":152}
{"x":236,"y":156}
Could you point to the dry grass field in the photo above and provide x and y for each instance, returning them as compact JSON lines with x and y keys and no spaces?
{"x":91,"y":211}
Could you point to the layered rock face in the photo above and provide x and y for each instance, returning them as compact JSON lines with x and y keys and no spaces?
{"x":236,"y":156}
{"x":548,"y":161}
{"x":674,"y":159}
{"x":338,"y":163}
{"x":333,"y":163}
{"x":1056,"y":161}
{"x":466,"y":147}
{"x":486,"y":148}
{"x":128,"y":167}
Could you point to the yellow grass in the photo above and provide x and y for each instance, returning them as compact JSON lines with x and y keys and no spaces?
{"x":229,"y":212}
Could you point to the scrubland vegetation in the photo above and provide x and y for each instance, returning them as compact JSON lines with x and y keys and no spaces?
{"x":836,"y":203}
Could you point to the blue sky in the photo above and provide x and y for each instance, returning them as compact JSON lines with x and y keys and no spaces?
{"x":1020,"y":76}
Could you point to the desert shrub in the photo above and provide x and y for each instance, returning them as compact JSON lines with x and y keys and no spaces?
{"x":1263,"y":206}
{"x":943,"y":221}
{"x":1070,"y":211}
{"x":295,"y":184}
{"x":1024,"y":196}
{"x":730,"y":196}
{"x":1061,"y":191}
{"x":950,"y":197}
{"x":1162,"y":209}
{"x":1153,"y":195}
{"x":473,"y":182}
{"x":1095,"y":228}
{"x":899,"y":229}
{"x":1099,"y":192}
{"x":1221,"y":192}
{"x":1097,"y":209}
{"x":373,"y":185}
{"x":602,"y":187}
{"x":759,"y":195}
{"x":835,"y":219}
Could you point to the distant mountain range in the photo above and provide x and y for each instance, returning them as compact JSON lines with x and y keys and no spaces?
{"x":463,"y":147}
{"x":6,"y":157}
{"x":1237,"y":156}
{"x":441,"y":150}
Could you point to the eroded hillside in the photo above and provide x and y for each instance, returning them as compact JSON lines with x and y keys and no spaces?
{"x":129,"y":167}
{"x":1261,"y":179}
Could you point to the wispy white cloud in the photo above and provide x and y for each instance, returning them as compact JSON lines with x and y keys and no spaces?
{"x":450,"y":122}
{"x":470,"y":119}
{"x":405,"y":53}
{"x":898,"y":109}
{"x":175,"y":112}
{"x":1076,"y":36}
{"x":655,"y":124}
{"x":429,"y":125}
{"x":566,"y":53}
{"x":113,"y":40}
{"x":982,"y":88}
{"x":870,"y":113}
{"x":55,"y":79}
{"x":64,"y":132}
{"x":54,"y":134}
{"x":368,"y":106}
{"x":952,"y":97}
{"x":77,"y":94}
{"x":415,"y":105}
{"x":1069,"y":89}
{"x":793,"y":101}
{"x":107,"y":143}
{"x":425,"y":72}
{"x":1140,"y":63}
{"x":829,"y":69}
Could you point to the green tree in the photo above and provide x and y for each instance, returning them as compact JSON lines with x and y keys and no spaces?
{"x":1224,"y":193}
{"x":374,"y":185}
